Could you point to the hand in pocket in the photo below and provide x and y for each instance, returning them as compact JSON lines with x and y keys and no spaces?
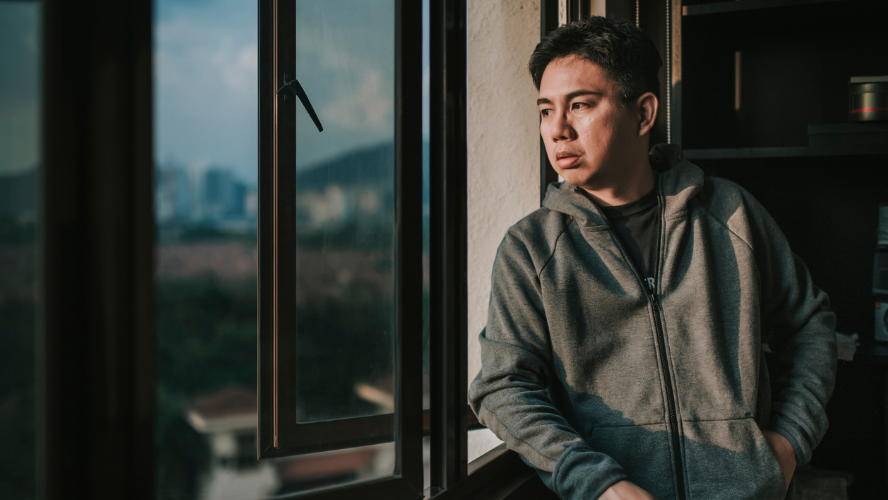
{"x":784,"y":453}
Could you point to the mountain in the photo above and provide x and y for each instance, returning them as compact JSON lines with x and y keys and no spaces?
{"x":371,"y":165}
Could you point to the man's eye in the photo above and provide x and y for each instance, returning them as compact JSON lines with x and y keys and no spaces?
{"x":579,"y":105}
{"x":545,"y":112}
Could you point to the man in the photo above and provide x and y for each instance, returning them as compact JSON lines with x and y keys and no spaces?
{"x":622,"y":356}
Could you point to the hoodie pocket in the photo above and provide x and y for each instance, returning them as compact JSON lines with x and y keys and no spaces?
{"x":730,"y":459}
{"x":642,"y":451}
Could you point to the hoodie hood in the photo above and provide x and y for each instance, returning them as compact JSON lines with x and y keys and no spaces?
{"x":678,"y":182}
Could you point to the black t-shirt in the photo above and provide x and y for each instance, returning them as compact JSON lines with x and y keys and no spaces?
{"x":636,"y":224}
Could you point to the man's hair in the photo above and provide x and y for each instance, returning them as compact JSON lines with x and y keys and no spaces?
{"x":625,"y":53}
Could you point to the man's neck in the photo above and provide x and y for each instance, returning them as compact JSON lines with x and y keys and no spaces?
{"x":627,"y":190}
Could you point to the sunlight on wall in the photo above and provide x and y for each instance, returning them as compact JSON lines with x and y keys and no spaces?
{"x":503,"y":150}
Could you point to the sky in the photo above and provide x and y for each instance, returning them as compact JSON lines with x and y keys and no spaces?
{"x":205,"y":81}
{"x":205,"y":90}
{"x":206,"y":66}
{"x":19,"y":86}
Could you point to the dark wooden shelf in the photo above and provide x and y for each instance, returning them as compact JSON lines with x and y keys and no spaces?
{"x":745,"y":5}
{"x":872,"y":354}
{"x":786,"y":152}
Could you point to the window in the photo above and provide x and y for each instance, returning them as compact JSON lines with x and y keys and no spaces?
{"x":102,"y":351}
{"x":339,"y":275}
{"x":341,"y":229}
{"x":340,"y":233}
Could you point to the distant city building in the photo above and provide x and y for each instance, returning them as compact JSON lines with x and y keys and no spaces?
{"x":214,"y":197}
{"x":251,"y":203}
{"x":173,"y":194}
{"x":222,"y":195}
{"x":355,"y":190}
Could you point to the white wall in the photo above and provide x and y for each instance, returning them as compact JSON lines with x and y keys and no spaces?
{"x":503,"y":149}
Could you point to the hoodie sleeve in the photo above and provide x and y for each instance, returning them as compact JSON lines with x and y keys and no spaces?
{"x":796,"y":315}
{"x":510,"y":395}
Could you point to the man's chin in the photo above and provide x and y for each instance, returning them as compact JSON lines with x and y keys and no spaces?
{"x":575,"y":176}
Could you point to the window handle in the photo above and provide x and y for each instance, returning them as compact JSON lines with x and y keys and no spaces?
{"x":298,"y":91}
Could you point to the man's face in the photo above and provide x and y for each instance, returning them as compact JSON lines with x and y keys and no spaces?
{"x":588,"y":133}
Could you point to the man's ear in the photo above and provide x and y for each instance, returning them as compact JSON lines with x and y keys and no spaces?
{"x":646,"y":107}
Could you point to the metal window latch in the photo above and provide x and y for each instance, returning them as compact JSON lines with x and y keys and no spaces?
{"x":299,"y":92}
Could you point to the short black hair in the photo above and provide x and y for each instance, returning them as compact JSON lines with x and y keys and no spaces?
{"x":625,"y":53}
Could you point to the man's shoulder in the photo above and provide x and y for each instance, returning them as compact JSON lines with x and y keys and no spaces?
{"x":538,"y":233}
{"x":732,"y":205}
{"x":723,"y":195}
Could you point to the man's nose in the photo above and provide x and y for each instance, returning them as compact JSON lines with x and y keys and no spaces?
{"x":561,"y":128}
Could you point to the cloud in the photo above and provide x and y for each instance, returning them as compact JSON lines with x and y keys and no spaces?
{"x":19,"y":86}
{"x":238,"y":67}
{"x":206,"y":69}
{"x":193,"y":54}
{"x":371,"y":104}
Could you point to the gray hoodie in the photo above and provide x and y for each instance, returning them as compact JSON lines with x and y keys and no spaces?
{"x":593,"y":376}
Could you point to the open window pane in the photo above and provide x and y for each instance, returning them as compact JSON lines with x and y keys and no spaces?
{"x":336,"y":348}
{"x":345,"y":210}
{"x":340,"y":225}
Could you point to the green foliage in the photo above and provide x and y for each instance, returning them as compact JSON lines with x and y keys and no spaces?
{"x":206,"y":335}
{"x":17,"y":401}
{"x":349,"y":235}
{"x":340,"y":344}
{"x":206,"y":340}
{"x":204,"y":233}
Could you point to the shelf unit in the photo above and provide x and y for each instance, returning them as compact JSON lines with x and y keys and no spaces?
{"x":877,"y":151}
{"x":747,"y":77}
{"x":756,"y":73}
{"x":745,"y":5}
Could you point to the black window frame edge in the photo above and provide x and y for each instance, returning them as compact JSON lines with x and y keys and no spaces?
{"x":499,"y":474}
{"x":448,"y":243}
{"x":95,"y":385}
{"x":276,"y":435}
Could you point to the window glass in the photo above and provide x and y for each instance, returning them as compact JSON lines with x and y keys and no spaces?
{"x":20,"y":87}
{"x":206,"y":144}
{"x":345,"y":210}
{"x":205,"y":122}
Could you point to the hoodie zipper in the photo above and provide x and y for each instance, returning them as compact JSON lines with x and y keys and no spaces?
{"x":651,"y":289}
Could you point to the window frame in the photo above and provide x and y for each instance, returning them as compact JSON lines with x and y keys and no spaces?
{"x":278,"y":433}
{"x":500,"y":472}
{"x":289,"y":436}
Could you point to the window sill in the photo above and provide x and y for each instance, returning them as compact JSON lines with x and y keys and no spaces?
{"x":499,"y":474}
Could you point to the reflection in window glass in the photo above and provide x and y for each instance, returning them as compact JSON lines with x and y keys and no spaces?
{"x":205,"y":95}
{"x":20,"y":60}
{"x":345,"y":210}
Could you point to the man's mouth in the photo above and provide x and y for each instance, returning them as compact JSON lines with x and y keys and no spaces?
{"x":567,"y":160}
